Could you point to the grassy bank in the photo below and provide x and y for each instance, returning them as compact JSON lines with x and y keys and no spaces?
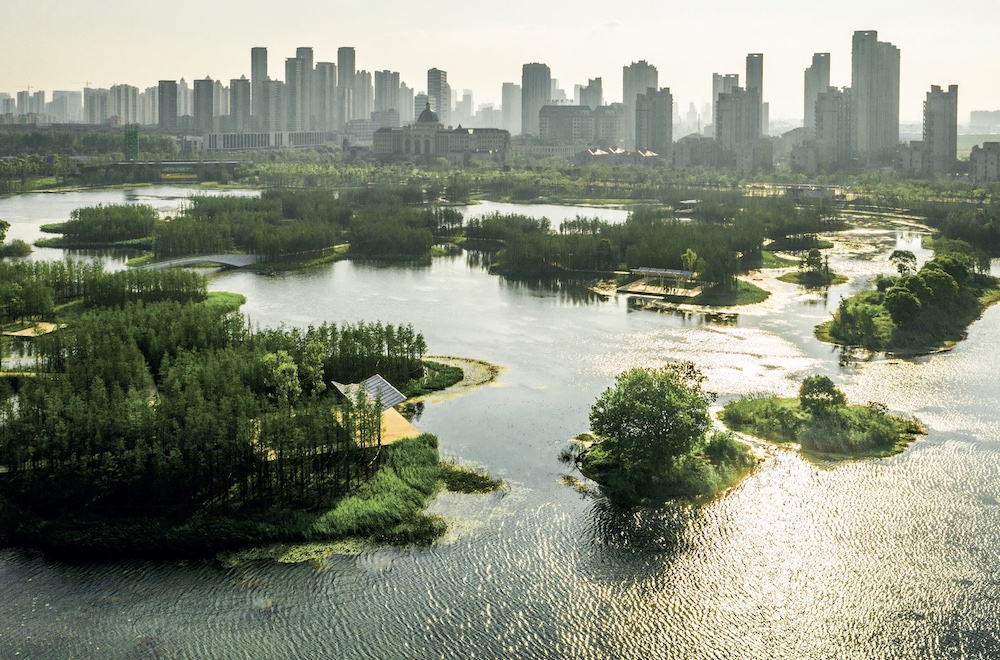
{"x":745,"y":293}
{"x":225,"y":300}
{"x":842,"y":432}
{"x":811,"y":279}
{"x":386,"y":509}
{"x":66,"y":243}
{"x":771,"y":260}
{"x":437,"y":376}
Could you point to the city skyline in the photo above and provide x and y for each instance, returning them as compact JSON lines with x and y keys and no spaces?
{"x":51,"y":45}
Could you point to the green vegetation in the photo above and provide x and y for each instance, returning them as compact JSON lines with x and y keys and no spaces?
{"x":725,"y":238}
{"x":822,"y":422}
{"x":745,"y":293}
{"x":157,"y":424}
{"x":436,"y":377}
{"x":975,"y":222}
{"x":225,"y":301}
{"x":770,"y":260}
{"x":285,"y":225}
{"x":115,"y":224}
{"x":461,"y":479}
{"x":814,"y":272}
{"x":16,"y":248}
{"x":282,"y":226}
{"x":915,"y":312}
{"x":387,"y":508}
{"x":654,"y":440}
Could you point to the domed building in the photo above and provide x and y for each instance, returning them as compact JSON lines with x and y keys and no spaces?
{"x":429,"y":117}
{"x":429,"y":138}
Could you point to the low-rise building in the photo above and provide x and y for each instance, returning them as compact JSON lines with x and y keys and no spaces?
{"x":985,"y":162}
{"x":259,"y":140}
{"x":429,"y":138}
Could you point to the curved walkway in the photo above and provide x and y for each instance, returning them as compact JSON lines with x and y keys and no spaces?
{"x":230,"y":260}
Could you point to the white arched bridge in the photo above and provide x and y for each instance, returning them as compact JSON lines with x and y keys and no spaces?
{"x":226,"y":260}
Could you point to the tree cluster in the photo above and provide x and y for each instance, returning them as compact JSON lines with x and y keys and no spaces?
{"x":654,"y":436}
{"x":164,"y":408}
{"x":821,"y":420}
{"x":919,"y":309}
{"x":298,"y":224}
{"x":108,"y":224}
{"x":728,"y":236}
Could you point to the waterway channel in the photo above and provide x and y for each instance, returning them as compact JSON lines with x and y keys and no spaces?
{"x":896,"y":558}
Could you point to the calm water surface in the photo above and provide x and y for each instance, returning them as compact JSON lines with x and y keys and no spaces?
{"x":895,"y":558}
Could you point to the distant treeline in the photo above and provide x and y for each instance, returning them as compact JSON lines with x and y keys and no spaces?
{"x":725,"y":236}
{"x":976,"y":224}
{"x":726,"y":233}
{"x":107,"y":224}
{"x":278,"y":225}
{"x":30,"y":290}
{"x":98,"y":142}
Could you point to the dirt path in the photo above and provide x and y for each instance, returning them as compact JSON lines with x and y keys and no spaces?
{"x":40,"y":328}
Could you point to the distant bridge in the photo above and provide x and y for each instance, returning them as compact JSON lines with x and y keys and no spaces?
{"x":228,"y":260}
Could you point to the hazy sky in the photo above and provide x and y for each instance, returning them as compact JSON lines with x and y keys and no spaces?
{"x":61,"y":44}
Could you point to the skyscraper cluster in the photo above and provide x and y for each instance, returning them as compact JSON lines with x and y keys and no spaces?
{"x":314,"y":96}
{"x":856,"y":123}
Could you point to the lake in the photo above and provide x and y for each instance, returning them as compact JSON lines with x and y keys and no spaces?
{"x":894,"y":558}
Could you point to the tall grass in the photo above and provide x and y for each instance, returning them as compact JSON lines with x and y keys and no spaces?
{"x":392,"y":502}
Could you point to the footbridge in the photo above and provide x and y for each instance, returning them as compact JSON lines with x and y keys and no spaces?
{"x":227,"y":260}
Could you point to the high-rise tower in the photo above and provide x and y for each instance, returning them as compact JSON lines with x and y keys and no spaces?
{"x":258,"y":74}
{"x":305,"y":54}
{"x":239,"y":104}
{"x":755,"y":85}
{"x":722,"y":83}
{"x":536,"y":88}
{"x":386,"y":91}
{"x":654,"y":121}
{"x":204,"y":104}
{"x":167,"y":104}
{"x":295,"y":94}
{"x":637,"y":78}
{"x":325,"y":92}
{"x":439,"y":93}
{"x":941,"y":130}
{"x":510,"y":108}
{"x":346,"y":69}
{"x":874,"y":96}
{"x":817,"y":81}
{"x":592,"y":95}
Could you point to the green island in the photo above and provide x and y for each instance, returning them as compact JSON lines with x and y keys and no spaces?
{"x":652,"y":440}
{"x":15,"y":248}
{"x":294,"y":228}
{"x":822,"y":422}
{"x":114,"y":225}
{"x":918,"y":311}
{"x":814,"y":272}
{"x":153,"y":420}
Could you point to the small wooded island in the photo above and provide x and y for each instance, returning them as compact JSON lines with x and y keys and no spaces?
{"x":156,"y":421}
{"x":822,"y":422}
{"x":653,"y":440}
{"x":918,"y":311}
{"x":814,"y":272}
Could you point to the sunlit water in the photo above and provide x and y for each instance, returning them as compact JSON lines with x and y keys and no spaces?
{"x":890,"y":559}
